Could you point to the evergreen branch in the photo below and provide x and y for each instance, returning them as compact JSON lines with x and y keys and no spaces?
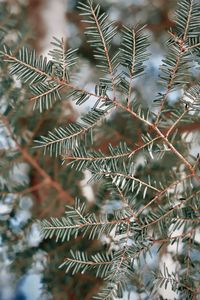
{"x":168,"y":212}
{"x":133,"y":55}
{"x":139,"y":212}
{"x":187,"y":220}
{"x":10,"y":58}
{"x":101,"y":34}
{"x":123,"y":254}
{"x":103,"y":98}
{"x":64,"y":63}
{"x":163,"y":192}
{"x":80,"y":263}
{"x":170,"y":239}
{"x":176,"y":283}
{"x":189,"y":14}
{"x":164,"y":279}
{"x":181,"y":52}
{"x":33,"y":74}
{"x":105,"y":47}
{"x":155,"y":128}
{"x":190,"y":100}
{"x":158,"y":131}
{"x":99,"y":156}
{"x":69,"y":137}
{"x":132,"y":67}
{"x":71,"y":226}
{"x":178,"y":154}
{"x":193,"y":46}
{"x":134,"y":114}
{"x":52,"y":227}
{"x":92,"y":263}
{"x":161,"y":135}
{"x":45,"y":93}
{"x":123,"y":260}
{"x":143,"y":146}
{"x":176,"y":122}
{"x":63,"y":59}
{"x":169,"y":85}
{"x":125,"y":176}
{"x":126,"y":202}
{"x":110,"y":291}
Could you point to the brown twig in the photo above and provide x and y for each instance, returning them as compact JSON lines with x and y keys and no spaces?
{"x":28,"y":158}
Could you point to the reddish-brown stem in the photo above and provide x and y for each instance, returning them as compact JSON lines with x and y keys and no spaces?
{"x":28,"y":158}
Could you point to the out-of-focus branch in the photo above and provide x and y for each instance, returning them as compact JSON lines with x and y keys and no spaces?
{"x":28,"y":158}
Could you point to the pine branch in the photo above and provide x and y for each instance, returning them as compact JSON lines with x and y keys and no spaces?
{"x":70,"y":137}
{"x":164,"y":191}
{"x":77,"y":222}
{"x":173,"y":65}
{"x":63,"y":59}
{"x":170,"y":211}
{"x":101,"y":33}
{"x":161,"y":135}
{"x":46,"y":94}
{"x":133,"y":55}
{"x":165,"y":278}
{"x":39,"y":74}
{"x":82,"y":159}
{"x":149,"y":189}
{"x":123,"y":179}
{"x":80,"y":263}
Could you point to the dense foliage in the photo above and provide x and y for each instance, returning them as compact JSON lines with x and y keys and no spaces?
{"x":147,"y":190}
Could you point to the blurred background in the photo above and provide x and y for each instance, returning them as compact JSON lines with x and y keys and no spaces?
{"x":34,"y":186}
